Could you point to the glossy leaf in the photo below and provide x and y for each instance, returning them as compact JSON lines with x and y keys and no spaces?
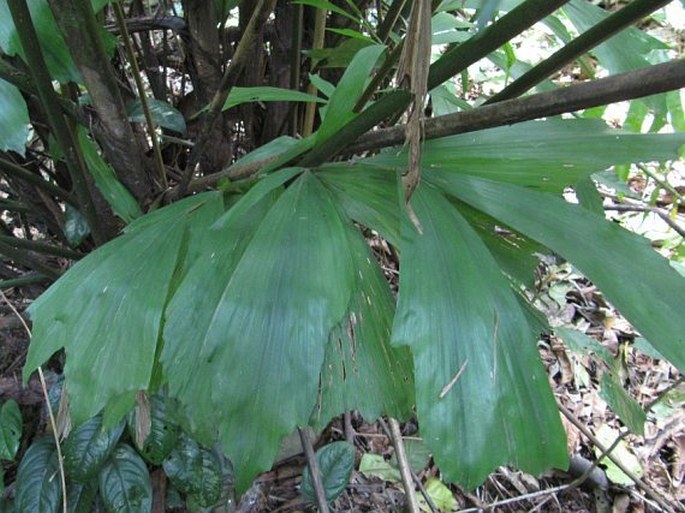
{"x":481,"y":391}
{"x":627,"y":409}
{"x":14,"y":119}
{"x":275,"y":280}
{"x":539,"y":154}
{"x":163,"y":435}
{"x":11,"y":425}
{"x":125,"y":483}
{"x":118,"y":291}
{"x":37,"y":483}
{"x":194,"y":470}
{"x":633,"y":276}
{"x":163,"y":114}
{"x":120,"y":199}
{"x":87,"y":448}
{"x":336,"y":463}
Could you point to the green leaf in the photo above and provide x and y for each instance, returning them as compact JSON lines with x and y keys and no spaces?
{"x":627,"y":409}
{"x":275,"y":280}
{"x":120,"y":199}
{"x":540,"y":154}
{"x":14,"y":119}
{"x":441,"y":496}
{"x":163,"y":114}
{"x":374,"y":465}
{"x":118,"y":290}
{"x":580,"y":343}
{"x":194,"y":470}
{"x":240,"y":95}
{"x":633,"y":276}
{"x":76,"y":227}
{"x":361,"y":371}
{"x":325,"y":4}
{"x":37,"y":484}
{"x":87,"y":448}
{"x":10,"y":429}
{"x":481,"y":391}
{"x":341,"y":104}
{"x":80,"y":496}
{"x":57,"y":56}
{"x":336,"y":462}
{"x":607,"y":435}
{"x":163,"y":435}
{"x":125,"y":483}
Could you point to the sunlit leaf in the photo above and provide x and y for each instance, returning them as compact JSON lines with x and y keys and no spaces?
{"x":481,"y":391}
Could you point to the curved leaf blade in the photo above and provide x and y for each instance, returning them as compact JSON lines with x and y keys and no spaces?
{"x":274,"y":285}
{"x":336,"y":462}
{"x":10,"y":429}
{"x":125,"y":483}
{"x":163,"y":434}
{"x":14,"y":119}
{"x":121,"y":290}
{"x":37,"y":486}
{"x":481,"y":391}
{"x":641,"y":283}
{"x":87,"y":448}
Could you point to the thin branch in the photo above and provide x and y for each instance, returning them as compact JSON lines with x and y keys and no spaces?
{"x":20,"y":257}
{"x":652,"y":210}
{"x":228,"y":81}
{"x":314,"y":470}
{"x":403,"y":464}
{"x":41,"y":247}
{"x":625,"y":86}
{"x":51,"y":416}
{"x":15,"y":170}
{"x":604,"y":30}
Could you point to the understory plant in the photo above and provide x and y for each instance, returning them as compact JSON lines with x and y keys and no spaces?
{"x":221,"y":256}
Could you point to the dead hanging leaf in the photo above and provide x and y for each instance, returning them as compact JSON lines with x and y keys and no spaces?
{"x":412,"y":73}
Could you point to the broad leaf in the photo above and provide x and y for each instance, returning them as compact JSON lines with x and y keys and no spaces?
{"x":361,"y":371}
{"x":163,"y":435}
{"x":10,"y":429}
{"x":14,"y":119}
{"x":336,"y":463}
{"x":106,"y":311}
{"x":481,"y":391}
{"x":627,"y":409}
{"x":80,"y":496}
{"x":580,"y":343}
{"x":275,"y":280}
{"x":633,"y":276}
{"x":539,"y":154}
{"x":37,"y":484}
{"x":87,"y":448}
{"x":194,"y":470}
{"x":125,"y":483}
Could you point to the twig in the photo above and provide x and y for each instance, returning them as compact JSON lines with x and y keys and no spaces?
{"x":405,"y":469}
{"x":639,"y":482}
{"x":314,"y":470}
{"x":527,"y":496}
{"x":53,"y":424}
{"x":653,"y":210}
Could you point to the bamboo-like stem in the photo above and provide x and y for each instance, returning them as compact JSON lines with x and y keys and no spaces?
{"x":49,"y":101}
{"x":240,"y":59}
{"x":41,"y":247}
{"x":589,"y":39}
{"x":310,"y":108}
{"x":157,"y":152}
{"x":26,"y":279}
{"x":20,"y":257}
{"x":296,"y":62}
{"x":15,"y":170}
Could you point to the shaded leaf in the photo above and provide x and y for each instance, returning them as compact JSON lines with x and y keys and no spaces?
{"x":580,"y":343}
{"x":87,"y":448}
{"x":329,"y":6}
{"x":481,"y":391}
{"x":275,"y":280}
{"x":80,"y":496}
{"x":633,"y":276}
{"x":240,"y":95}
{"x":163,"y":434}
{"x":14,"y":119}
{"x":627,"y":409}
{"x":76,"y":227}
{"x":37,"y":484}
{"x":120,"y":199}
{"x":336,"y":462}
{"x":125,"y":483}
{"x":163,"y":114}
{"x":11,"y":425}
{"x":194,"y":470}
{"x":118,"y":290}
